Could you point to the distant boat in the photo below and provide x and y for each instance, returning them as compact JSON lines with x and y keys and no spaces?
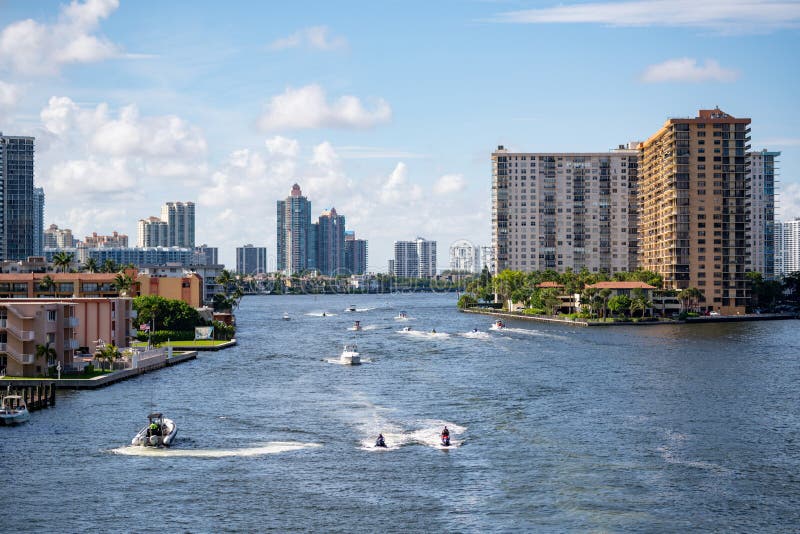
{"x":13,"y":410}
{"x":402,"y":316}
{"x":351,"y":308}
{"x":350,"y":355}
{"x":286,"y":316}
{"x":159,"y":432}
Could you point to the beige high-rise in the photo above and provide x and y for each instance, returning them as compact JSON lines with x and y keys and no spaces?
{"x":693,"y":213}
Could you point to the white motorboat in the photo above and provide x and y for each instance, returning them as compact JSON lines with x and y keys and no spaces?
{"x":286,"y":316}
{"x":13,"y":410}
{"x":351,"y":308}
{"x":159,"y":432}
{"x":350,"y":355}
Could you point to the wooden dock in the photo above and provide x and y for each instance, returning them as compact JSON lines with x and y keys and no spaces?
{"x":37,"y":394}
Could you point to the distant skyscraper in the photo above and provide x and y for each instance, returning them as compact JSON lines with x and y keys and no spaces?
{"x":787,"y":247}
{"x":205,"y":255}
{"x":179,"y":217}
{"x":38,"y":221}
{"x":487,"y":258}
{"x":761,"y":185}
{"x":295,"y":236}
{"x":415,"y":259}
{"x":152,"y":232}
{"x":17,"y":207}
{"x":355,"y":253}
{"x":55,"y":237}
{"x":251,"y":260}
{"x":464,"y":256}
{"x":330,"y":243}
{"x":115,"y":240}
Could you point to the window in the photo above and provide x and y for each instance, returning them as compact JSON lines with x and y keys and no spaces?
{"x":51,"y":315}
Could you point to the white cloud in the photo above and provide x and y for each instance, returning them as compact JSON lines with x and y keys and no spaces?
{"x":368,"y":152}
{"x":687,"y":70}
{"x":282,"y":146}
{"x":9,"y":95}
{"x":778,"y":141}
{"x":448,"y":184}
{"x":789,"y":205}
{"x":315,"y":37}
{"x":396,"y":188}
{"x":29,"y":47}
{"x":307,"y":107}
{"x":720,"y":15}
{"x":89,"y":177}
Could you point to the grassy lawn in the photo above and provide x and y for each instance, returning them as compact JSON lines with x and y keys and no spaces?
{"x":190,"y":343}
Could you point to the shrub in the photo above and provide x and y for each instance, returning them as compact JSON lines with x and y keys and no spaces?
{"x":89,"y":368}
{"x":534,"y":311}
{"x":467,"y":301}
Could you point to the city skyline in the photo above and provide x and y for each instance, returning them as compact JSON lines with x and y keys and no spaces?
{"x":130,"y":110}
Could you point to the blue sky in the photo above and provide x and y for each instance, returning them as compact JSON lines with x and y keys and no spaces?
{"x":387,"y":111}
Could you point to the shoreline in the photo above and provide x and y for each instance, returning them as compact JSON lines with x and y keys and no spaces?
{"x":588,"y":323}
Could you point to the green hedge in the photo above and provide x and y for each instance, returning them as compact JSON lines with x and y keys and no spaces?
{"x":160,"y":336}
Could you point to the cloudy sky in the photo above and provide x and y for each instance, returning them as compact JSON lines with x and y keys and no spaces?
{"x":387,"y":111}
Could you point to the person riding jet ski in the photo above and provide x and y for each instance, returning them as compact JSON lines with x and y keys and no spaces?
{"x":380,"y":441}
{"x":446,"y":437}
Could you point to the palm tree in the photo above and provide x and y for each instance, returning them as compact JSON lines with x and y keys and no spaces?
{"x":63,"y":260}
{"x":225,"y":279}
{"x":109,"y":266}
{"x":47,"y":284}
{"x":91,"y":266}
{"x":109,"y":353}
{"x":47,"y":352}
{"x":122,"y":283}
{"x":605,"y":294}
{"x":639,"y":301}
{"x":691,"y":296}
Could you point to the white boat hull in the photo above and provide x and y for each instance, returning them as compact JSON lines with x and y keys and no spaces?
{"x":165,"y":440}
{"x":19,"y":416}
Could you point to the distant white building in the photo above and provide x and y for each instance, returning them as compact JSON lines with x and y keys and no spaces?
{"x":761,"y":182}
{"x":487,"y":258}
{"x":414,"y":259}
{"x":787,"y":247}
{"x":464,"y":256}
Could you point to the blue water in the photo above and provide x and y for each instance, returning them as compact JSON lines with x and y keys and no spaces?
{"x":661,"y":428}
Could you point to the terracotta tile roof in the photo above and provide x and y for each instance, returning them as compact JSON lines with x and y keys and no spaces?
{"x":621,"y":285}
{"x":549,"y":284}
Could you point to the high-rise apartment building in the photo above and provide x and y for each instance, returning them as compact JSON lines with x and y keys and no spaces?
{"x":296,"y":243}
{"x":115,"y":240}
{"x":787,"y":247}
{"x":55,"y":237}
{"x":355,"y":254}
{"x":761,"y":185}
{"x":38,"y":221}
{"x":205,"y":255}
{"x":564,"y":210}
{"x":251,"y":260}
{"x":465,"y":257}
{"x":152,"y":232}
{"x":693,"y":227}
{"x":179,"y":217}
{"x":17,"y":207}
{"x":330,"y":230}
{"x":414,"y":259}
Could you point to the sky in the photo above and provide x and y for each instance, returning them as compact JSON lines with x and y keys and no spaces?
{"x":387,"y":111}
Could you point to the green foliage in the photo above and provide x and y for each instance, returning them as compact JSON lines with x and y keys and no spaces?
{"x":160,"y":336}
{"x":89,"y":369}
{"x":467,"y":301}
{"x":223,"y":331}
{"x":170,"y":314}
{"x":534,"y":311}
{"x":619,"y":303}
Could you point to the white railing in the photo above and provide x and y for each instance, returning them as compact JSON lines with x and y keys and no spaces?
{"x":71,"y":344}
{"x":24,"y":359}
{"x":22,"y":335}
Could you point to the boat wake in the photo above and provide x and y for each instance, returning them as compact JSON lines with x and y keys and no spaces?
{"x":320,"y":314}
{"x":338,"y":361}
{"x":273,"y":447}
{"x":419,"y":334}
{"x":476,"y":335}
{"x":365,"y":328}
{"x":426,"y":433}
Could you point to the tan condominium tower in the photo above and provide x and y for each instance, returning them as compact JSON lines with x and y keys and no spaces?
{"x":564,"y":210}
{"x":693,"y":209}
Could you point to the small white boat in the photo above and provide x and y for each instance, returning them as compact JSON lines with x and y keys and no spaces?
{"x":286,"y":316}
{"x":351,"y":308}
{"x":13,"y":410}
{"x":350,"y":355}
{"x":159,"y":432}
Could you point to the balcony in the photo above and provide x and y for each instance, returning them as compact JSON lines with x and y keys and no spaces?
{"x":24,"y":359}
{"x":71,"y":322}
{"x":71,"y":344}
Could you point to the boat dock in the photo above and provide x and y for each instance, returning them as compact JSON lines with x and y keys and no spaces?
{"x":37,"y":394}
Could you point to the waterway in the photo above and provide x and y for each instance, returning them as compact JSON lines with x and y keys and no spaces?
{"x":629,"y":429}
